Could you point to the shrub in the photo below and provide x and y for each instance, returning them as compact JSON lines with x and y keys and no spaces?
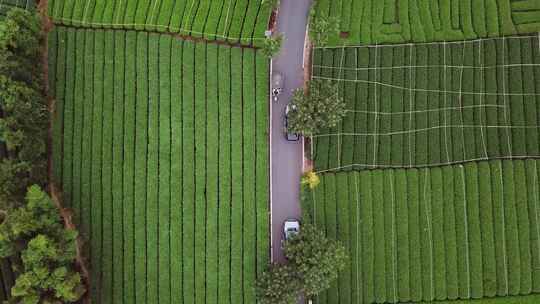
{"x":321,"y":108}
{"x":278,"y":285}
{"x":272,"y":45}
{"x":47,"y":266}
{"x":310,"y":179}
{"x":321,"y":28}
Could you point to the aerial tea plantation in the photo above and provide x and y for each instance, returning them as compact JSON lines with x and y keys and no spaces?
{"x":235,"y":21}
{"x":160,"y":146}
{"x":459,"y":231}
{"x":431,"y":178}
{"x":432,"y":104}
{"x":398,"y":21}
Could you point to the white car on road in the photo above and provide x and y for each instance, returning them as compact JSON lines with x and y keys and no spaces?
{"x":290,"y":227}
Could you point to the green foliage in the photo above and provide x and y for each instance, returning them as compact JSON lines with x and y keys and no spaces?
{"x":313,"y":263}
{"x":321,"y":108}
{"x":310,"y":179}
{"x":315,"y":259}
{"x":47,"y":266}
{"x":321,"y":28}
{"x":32,"y":233}
{"x":273,"y":4}
{"x":278,"y":285}
{"x":20,"y":47}
{"x":242,"y":22}
{"x":23,"y":110}
{"x":272,"y":46}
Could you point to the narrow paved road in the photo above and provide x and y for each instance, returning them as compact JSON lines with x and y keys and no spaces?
{"x":286,"y":155}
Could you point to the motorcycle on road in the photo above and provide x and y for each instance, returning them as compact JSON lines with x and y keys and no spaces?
{"x":277,"y":86}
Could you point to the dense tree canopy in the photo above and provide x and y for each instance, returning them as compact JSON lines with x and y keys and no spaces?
{"x":316,"y":259}
{"x":313,"y":262}
{"x":321,"y":107}
{"x":36,"y":233}
{"x":278,"y":285}
{"x":23,"y":107}
{"x":32,"y":232}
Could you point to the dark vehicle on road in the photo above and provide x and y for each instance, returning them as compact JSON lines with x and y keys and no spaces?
{"x":290,"y":227}
{"x":288,"y":135}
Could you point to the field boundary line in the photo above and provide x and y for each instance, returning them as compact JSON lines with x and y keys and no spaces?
{"x":432,"y":66}
{"x":461,"y":100}
{"x":466,"y":220}
{"x":480,"y":97}
{"x":189,"y":13}
{"x":394,"y":238}
{"x":505,"y":258}
{"x":411,"y":100}
{"x":428,"y":222}
{"x":431,"y":165}
{"x":343,"y":97}
{"x":358,"y":221}
{"x":117,"y":11}
{"x":535,"y":190}
{"x":226,"y":18}
{"x":427,"y":110}
{"x":152,"y":15}
{"x":375,"y":145}
{"x":426,"y":90}
{"x":86,"y":11}
{"x":130,"y":27}
{"x":444,"y":101}
{"x":424,"y":130}
{"x":526,"y":36}
{"x":504,"y":96}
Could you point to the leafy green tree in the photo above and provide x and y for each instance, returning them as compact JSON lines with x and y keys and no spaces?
{"x":21,"y":47}
{"x":316,"y":259}
{"x":32,"y":233}
{"x":35,"y":232}
{"x":23,"y":107}
{"x":321,"y":108}
{"x":272,"y":45}
{"x":321,"y":28}
{"x":278,"y":285}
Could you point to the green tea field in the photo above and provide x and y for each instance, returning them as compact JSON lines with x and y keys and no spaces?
{"x":430,"y":104}
{"x":237,"y":21}
{"x":398,"y":21}
{"x":160,"y":146}
{"x":462,"y":231}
